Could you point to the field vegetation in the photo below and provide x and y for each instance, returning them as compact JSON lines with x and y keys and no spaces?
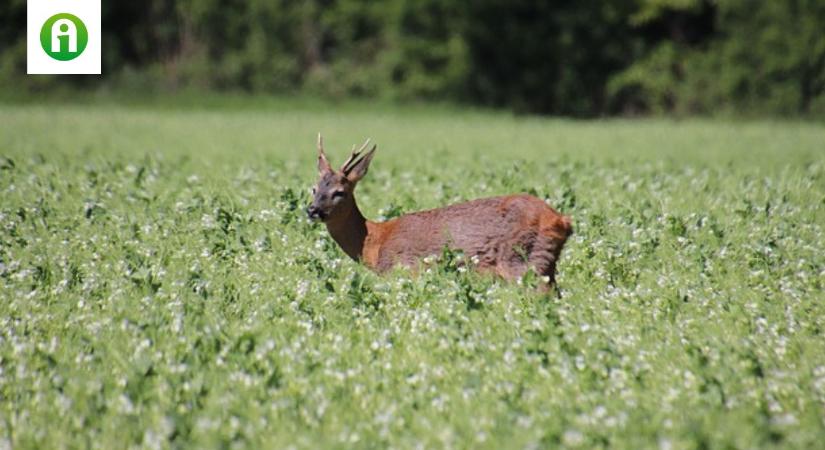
{"x":161,"y":287}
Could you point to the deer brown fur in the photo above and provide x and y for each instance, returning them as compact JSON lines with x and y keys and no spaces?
{"x":504,"y":235}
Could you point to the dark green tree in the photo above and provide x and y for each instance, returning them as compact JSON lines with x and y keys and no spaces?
{"x":549,"y":57}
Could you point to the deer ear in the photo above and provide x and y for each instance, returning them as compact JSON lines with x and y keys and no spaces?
{"x":323,"y":163}
{"x":358,"y":169}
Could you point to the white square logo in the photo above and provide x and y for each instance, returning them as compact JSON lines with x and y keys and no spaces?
{"x":63,"y":37}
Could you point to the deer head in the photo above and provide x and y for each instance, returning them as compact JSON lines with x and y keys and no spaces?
{"x":332,"y":196}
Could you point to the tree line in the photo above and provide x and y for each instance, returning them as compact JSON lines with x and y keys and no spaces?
{"x":568,"y":57}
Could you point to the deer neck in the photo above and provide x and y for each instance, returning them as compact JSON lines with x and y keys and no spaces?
{"x":350,"y":232}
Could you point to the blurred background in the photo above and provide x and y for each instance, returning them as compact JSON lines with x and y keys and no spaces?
{"x":581,"y":58}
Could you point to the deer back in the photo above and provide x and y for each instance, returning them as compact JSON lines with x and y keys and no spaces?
{"x":504,"y":234}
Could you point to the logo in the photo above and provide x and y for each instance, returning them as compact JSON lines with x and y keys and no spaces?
{"x":64,"y":37}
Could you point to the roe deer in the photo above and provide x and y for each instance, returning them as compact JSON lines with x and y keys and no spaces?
{"x":504,"y":235}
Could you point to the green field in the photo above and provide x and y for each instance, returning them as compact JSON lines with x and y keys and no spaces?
{"x":160,"y":286}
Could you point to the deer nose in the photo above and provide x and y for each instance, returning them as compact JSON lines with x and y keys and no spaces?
{"x":313,"y":212}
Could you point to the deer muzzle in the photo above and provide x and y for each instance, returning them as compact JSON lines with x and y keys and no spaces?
{"x":315,"y":213}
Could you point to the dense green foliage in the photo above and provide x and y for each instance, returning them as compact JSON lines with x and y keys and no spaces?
{"x":161,"y":288}
{"x":753,"y":56}
{"x":577,"y":58}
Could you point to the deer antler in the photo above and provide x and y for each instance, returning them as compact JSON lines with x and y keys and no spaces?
{"x":320,"y":144}
{"x":351,"y":161}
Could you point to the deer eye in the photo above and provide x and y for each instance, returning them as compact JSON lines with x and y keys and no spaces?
{"x":339,"y":194}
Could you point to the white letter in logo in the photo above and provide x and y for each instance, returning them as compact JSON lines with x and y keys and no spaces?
{"x":64,"y":27}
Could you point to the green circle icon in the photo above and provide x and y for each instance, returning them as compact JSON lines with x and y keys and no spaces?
{"x":64,"y":37}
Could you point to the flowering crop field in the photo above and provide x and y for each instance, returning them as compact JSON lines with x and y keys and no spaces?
{"x":161,"y":287}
